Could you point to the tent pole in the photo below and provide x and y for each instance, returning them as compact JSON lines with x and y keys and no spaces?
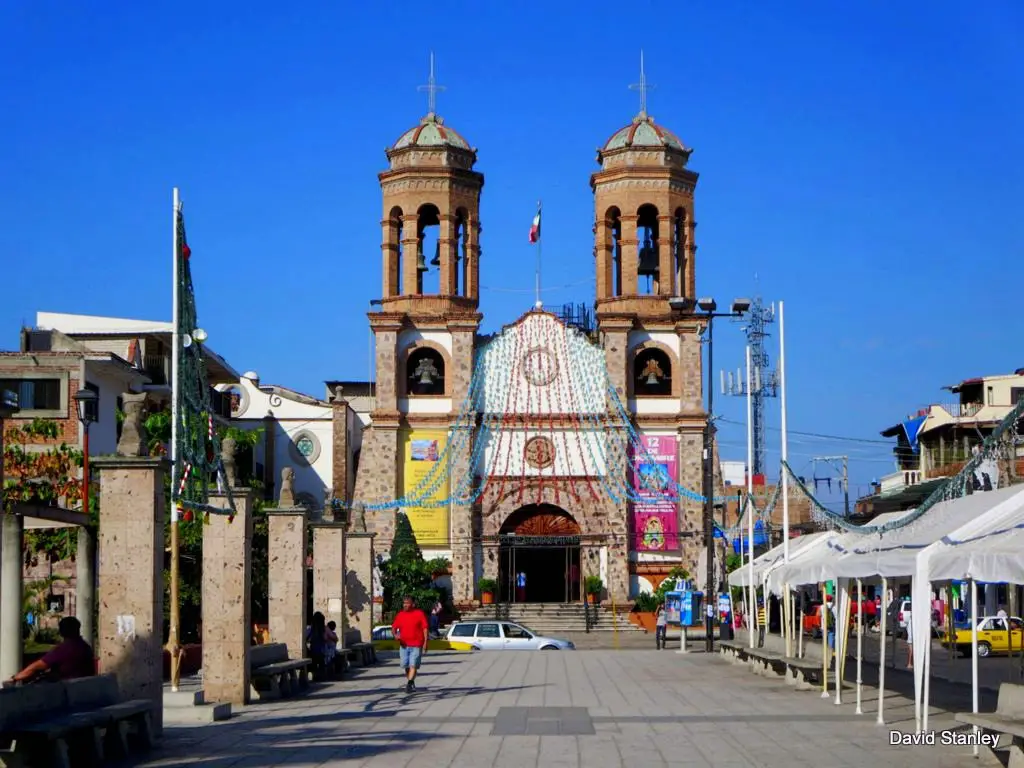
{"x":823,"y":623}
{"x":882,"y":641}
{"x":800,"y":636}
{"x":860,"y":640}
{"x":974,"y":658}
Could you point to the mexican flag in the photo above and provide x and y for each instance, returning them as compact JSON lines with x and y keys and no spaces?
{"x":535,"y":227}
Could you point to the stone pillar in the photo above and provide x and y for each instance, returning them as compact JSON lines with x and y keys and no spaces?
{"x":666,"y":247}
{"x":359,"y":561}
{"x":329,"y":570}
{"x":630,"y":256}
{"x":286,"y":578}
{"x":12,"y":537}
{"x":131,"y":582}
{"x":340,"y":453}
{"x":227,"y":600}
{"x":85,"y":584}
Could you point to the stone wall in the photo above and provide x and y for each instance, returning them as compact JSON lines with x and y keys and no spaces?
{"x":377,"y":481}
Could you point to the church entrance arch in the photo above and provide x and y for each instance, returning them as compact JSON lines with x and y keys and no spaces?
{"x":539,"y":561}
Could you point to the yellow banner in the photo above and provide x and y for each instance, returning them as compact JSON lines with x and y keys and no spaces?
{"x":421,"y":450}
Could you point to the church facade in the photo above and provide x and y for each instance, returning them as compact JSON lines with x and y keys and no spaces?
{"x":542,"y":449}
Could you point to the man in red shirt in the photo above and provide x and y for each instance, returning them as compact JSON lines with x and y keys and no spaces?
{"x":410,"y":628}
{"x":72,"y":658}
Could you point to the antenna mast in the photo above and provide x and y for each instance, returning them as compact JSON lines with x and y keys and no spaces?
{"x":764,"y":382}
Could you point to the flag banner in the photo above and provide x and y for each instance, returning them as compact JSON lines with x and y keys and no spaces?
{"x":535,"y":227}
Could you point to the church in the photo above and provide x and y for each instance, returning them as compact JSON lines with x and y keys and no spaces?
{"x":546,"y":449}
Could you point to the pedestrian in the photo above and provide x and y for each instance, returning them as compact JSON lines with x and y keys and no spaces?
{"x":331,"y":646}
{"x":762,"y":620}
{"x":435,"y":620}
{"x":520,"y":587}
{"x":660,"y":627}
{"x":410,"y":627}
{"x":316,"y":633}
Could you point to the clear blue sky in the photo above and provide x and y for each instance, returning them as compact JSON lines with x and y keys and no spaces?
{"x":862,"y":161}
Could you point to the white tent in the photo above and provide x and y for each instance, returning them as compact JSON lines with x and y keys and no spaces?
{"x":815,"y":564}
{"x":773,"y":557}
{"x":894,"y":553}
{"x":987,"y":548}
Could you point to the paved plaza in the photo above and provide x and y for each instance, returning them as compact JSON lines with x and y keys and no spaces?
{"x":583,"y":708}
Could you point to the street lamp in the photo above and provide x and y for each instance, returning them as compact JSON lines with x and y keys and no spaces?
{"x":707,"y":308}
{"x":86,"y":401}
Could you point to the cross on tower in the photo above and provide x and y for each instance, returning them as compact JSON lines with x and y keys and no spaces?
{"x":432,"y":88}
{"x":642,"y":86}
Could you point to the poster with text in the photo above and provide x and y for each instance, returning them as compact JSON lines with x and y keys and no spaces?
{"x":655,"y":517}
{"x":424,"y":476}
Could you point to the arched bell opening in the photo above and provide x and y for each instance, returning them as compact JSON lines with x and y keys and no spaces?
{"x":652,"y":373}
{"x":424,"y":372}
{"x":679,"y":249}
{"x":461,"y":265}
{"x":428,"y":250}
{"x":647,"y":249}
{"x":393,"y":253}
{"x":613,"y":225}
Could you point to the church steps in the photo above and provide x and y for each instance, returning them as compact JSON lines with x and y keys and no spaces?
{"x":553,"y":619}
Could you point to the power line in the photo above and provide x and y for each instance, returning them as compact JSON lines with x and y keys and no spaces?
{"x":816,"y":434}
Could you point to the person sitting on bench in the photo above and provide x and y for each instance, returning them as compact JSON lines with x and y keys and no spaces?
{"x":72,"y":658}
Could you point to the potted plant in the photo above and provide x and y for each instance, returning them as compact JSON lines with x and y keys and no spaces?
{"x":487,"y":589}
{"x":645,"y":611}
{"x":593,"y":586}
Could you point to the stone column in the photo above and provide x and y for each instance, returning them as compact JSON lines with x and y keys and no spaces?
{"x":131,"y":582}
{"x":630,"y":258}
{"x":227,"y":600}
{"x":339,"y":439}
{"x":286,"y":578}
{"x":359,"y":560}
{"x":666,"y":269}
{"x":12,"y":537}
{"x":329,"y":570}
{"x":85,"y":584}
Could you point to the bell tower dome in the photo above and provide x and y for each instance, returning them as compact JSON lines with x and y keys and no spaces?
{"x":643,"y":200}
{"x":431,"y":225}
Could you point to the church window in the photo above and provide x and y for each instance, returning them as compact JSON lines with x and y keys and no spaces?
{"x":652,"y":373}
{"x":395,"y":257}
{"x":425,"y":372}
{"x":614,"y":225}
{"x":647,"y":249}
{"x":461,"y":263}
{"x":428,"y":254}
{"x":304,"y":447}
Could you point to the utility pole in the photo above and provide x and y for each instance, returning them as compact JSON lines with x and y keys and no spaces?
{"x":764,"y":382}
{"x":840,"y":465}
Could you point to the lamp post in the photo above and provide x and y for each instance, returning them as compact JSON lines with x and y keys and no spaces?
{"x":85,"y":400}
{"x":707,"y":308}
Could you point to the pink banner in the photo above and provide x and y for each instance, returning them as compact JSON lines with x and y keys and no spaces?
{"x":655,"y":517}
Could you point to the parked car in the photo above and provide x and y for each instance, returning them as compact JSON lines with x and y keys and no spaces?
{"x":993,"y":636}
{"x":900,"y":610}
{"x":383,"y":639}
{"x":503,"y":636}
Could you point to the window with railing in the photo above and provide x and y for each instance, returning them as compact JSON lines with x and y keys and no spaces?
{"x":35,"y":394}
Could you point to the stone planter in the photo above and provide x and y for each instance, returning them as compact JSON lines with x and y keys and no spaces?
{"x":487,"y":598}
{"x":592,"y":599}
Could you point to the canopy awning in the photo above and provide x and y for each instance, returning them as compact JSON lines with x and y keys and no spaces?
{"x":894,"y":554}
{"x":771,"y":559}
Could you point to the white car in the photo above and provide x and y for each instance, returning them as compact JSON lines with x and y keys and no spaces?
{"x":503,"y":636}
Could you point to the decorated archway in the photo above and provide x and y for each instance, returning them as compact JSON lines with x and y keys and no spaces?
{"x":539,"y":555}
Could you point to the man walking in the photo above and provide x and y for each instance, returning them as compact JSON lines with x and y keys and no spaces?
{"x":410,"y":627}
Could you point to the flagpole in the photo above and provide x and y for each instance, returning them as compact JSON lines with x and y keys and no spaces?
{"x":173,"y":642}
{"x":538,"y":303}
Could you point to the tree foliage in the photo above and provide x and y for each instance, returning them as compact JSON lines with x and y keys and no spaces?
{"x":38,"y":470}
{"x":405,"y":572}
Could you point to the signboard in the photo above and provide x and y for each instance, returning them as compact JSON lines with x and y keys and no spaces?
{"x":655,"y":517}
{"x":422,"y":471}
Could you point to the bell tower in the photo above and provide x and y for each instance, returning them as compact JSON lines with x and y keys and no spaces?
{"x":644,"y":257}
{"x":428,"y":316}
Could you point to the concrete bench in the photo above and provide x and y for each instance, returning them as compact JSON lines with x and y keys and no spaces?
{"x":764,"y":662}
{"x":805,"y":674}
{"x":46,"y":723}
{"x":1008,"y":717}
{"x":734,"y":651}
{"x":273,"y":675}
{"x":363,"y":654}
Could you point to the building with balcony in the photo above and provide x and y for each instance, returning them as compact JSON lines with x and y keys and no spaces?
{"x":935,"y":442}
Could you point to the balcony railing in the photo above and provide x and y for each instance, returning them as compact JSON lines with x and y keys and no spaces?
{"x":961,"y":410}
{"x":897,"y":481}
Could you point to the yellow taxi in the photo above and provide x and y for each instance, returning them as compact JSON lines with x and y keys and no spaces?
{"x":996,"y":634}
{"x":384,"y":640}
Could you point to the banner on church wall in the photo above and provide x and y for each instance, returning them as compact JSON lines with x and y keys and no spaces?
{"x":655,"y":518}
{"x":422,"y":471}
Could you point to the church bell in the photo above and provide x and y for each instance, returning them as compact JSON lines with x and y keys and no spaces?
{"x":652,"y":379}
{"x":436,"y":261}
{"x":648,"y":266}
{"x":421,"y":263}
